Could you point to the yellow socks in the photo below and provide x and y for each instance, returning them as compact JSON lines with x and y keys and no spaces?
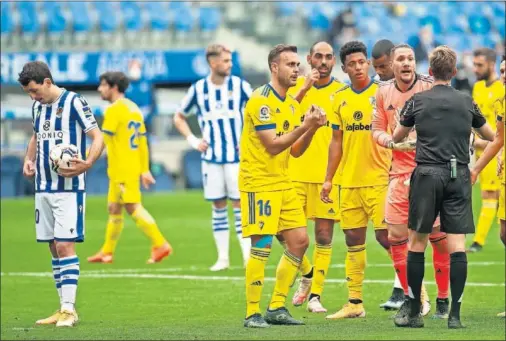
{"x":322,"y":256}
{"x":112,"y":233}
{"x":305,"y":266}
{"x":487,"y":215}
{"x":355,"y":266}
{"x":287,"y":270}
{"x":147,"y":224}
{"x":255,"y":274}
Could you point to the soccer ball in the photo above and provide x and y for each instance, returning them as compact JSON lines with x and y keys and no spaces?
{"x":61,"y":154}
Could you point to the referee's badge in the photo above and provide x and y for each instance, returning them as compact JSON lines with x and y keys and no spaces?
{"x":265,"y":113}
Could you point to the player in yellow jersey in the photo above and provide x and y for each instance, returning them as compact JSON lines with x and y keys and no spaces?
{"x":487,"y":90}
{"x":128,"y":166}
{"x":364,"y":171}
{"x":490,"y":151}
{"x":269,"y":203}
{"x":316,"y":89}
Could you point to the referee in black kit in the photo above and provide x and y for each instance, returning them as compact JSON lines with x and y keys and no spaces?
{"x":441,"y":183}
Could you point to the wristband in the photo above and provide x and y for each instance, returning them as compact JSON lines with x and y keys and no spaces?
{"x":193,"y":141}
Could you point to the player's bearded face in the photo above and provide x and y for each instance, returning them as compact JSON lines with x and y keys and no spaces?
{"x":404,"y":65}
{"x":323,"y":60}
{"x":503,"y":72}
{"x":222,"y":65}
{"x":482,"y":68}
{"x":288,"y":69}
{"x":356,"y":66}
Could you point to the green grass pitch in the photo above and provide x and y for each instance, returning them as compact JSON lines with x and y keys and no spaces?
{"x":181,"y":299}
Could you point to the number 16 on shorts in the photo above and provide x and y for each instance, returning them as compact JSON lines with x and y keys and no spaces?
{"x":260,"y":213}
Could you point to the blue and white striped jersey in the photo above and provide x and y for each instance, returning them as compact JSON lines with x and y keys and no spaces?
{"x":220,"y":115}
{"x":66,"y":120}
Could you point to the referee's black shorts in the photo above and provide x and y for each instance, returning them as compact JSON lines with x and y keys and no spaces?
{"x":433,"y":192}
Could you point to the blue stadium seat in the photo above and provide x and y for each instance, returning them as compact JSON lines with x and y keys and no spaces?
{"x":192,"y":169}
{"x":132,"y":19}
{"x":11,"y":176}
{"x":108,"y":20}
{"x":209,"y":18}
{"x":28,"y":15}
{"x":183,"y":19}
{"x":455,"y":24}
{"x":97,"y":181}
{"x":479,"y":24}
{"x":80,"y":16}
{"x":317,"y":20}
{"x":56,"y":22}
{"x":6,"y":18}
{"x":158,"y":15}
{"x":433,"y":21}
{"x":286,"y":9}
{"x":500,"y":27}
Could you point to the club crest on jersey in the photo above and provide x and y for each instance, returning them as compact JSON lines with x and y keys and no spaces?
{"x":357,"y":115}
{"x":59,"y":112}
{"x":265,"y":113}
{"x":286,"y":125}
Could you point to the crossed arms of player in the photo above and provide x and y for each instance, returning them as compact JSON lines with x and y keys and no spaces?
{"x":298,"y":139}
{"x":89,"y":125}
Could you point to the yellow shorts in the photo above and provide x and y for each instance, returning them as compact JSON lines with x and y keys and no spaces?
{"x":502,"y":205}
{"x":314,"y":207}
{"x":268,"y":213}
{"x":127,"y":192}
{"x":489,"y":180}
{"x":359,"y":205}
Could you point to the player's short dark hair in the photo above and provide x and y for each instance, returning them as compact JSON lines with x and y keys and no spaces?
{"x":401,"y":46}
{"x":277,"y":51}
{"x":489,"y":54}
{"x":311,"y":49}
{"x":352,"y":47}
{"x":34,"y":71}
{"x":382,"y":48}
{"x":443,"y":61}
{"x":116,"y":78}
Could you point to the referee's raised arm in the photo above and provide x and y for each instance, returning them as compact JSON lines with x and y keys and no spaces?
{"x":440,"y":184}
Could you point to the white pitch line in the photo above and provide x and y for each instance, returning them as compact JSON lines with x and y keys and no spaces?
{"x":214,"y":278}
{"x":199,"y":268}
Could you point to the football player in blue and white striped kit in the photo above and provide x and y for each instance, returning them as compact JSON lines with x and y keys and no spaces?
{"x":59,"y":116}
{"x":219,"y":100}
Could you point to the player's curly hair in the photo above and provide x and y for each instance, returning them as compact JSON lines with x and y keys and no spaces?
{"x":352,"y":47}
{"x":116,"y":78}
{"x":34,"y":71}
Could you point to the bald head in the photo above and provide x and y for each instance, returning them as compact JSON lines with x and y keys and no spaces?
{"x":321,"y":57}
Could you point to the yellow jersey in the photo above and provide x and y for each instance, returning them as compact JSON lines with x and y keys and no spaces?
{"x":125,"y":140}
{"x":364,"y":163}
{"x":485,"y":97}
{"x":500,"y":106}
{"x":317,"y":154}
{"x":260,"y":171}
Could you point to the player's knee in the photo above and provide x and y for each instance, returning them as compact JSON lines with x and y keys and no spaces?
{"x":114,"y":208}
{"x":397,"y":233}
{"x":219,"y":204}
{"x":303,"y":242}
{"x":131,"y":208}
{"x":382,"y":238}
{"x":437,"y":236}
{"x":355,"y":237}
{"x":65,"y":249}
{"x":323,"y":237}
{"x":262,"y":242}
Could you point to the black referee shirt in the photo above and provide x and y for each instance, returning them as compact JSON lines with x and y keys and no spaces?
{"x":443,"y":118}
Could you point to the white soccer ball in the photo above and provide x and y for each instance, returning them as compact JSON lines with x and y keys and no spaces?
{"x":61,"y":154}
